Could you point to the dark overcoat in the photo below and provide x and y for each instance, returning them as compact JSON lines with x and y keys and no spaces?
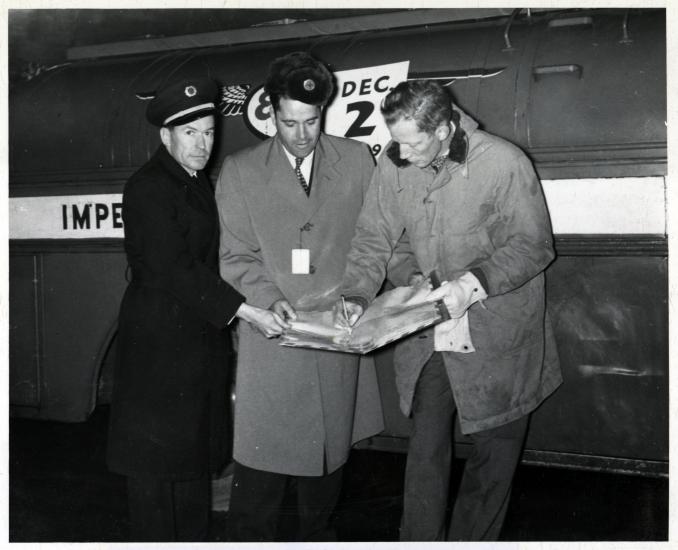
{"x":169,"y":412}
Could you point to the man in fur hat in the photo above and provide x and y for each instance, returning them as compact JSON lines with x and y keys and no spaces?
{"x":288,"y":208}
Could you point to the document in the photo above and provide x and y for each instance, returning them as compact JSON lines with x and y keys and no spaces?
{"x":391,"y":316}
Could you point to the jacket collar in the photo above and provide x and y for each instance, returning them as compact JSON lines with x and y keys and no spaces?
{"x":464,"y":125}
{"x":323,"y":148}
{"x":172,"y":166}
{"x":324,"y":178}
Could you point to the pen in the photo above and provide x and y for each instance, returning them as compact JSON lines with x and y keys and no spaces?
{"x":343,"y":303}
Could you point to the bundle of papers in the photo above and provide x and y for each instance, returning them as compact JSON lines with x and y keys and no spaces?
{"x":391,"y":316}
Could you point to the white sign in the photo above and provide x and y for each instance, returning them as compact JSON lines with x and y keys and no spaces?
{"x":66,"y":217}
{"x":597,"y":206}
{"x":607,"y":206}
{"x":354,"y":113}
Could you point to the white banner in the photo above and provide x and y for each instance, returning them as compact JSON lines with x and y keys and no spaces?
{"x":355,"y":113}
{"x":66,"y":217}
{"x":607,"y":205}
{"x":586,"y":206}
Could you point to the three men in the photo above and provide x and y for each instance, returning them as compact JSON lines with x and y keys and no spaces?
{"x":473,"y":210}
{"x":288,"y":208}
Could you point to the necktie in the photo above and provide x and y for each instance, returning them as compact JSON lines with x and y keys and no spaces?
{"x":300,"y":176}
{"x":438,"y":163}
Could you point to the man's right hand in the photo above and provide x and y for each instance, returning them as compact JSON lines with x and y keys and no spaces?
{"x":346,"y":318}
{"x":284,"y":310}
{"x":267,"y":322}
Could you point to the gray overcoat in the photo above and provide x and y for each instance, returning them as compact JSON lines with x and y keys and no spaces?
{"x":294,"y":406}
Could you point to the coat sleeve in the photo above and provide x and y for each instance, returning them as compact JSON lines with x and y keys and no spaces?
{"x":149,"y":210}
{"x":378,"y":229}
{"x":522,"y":239}
{"x":240,"y":259}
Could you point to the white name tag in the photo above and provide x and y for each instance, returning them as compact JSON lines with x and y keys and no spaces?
{"x":301,"y":261}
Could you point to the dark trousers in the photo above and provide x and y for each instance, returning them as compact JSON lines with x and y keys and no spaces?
{"x":257,"y":497}
{"x":481,"y":503}
{"x":162,"y":510}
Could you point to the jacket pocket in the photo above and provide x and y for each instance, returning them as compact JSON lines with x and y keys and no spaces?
{"x":460,"y":251}
{"x":508,"y":322}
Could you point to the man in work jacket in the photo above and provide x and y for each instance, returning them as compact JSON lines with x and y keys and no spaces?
{"x":473,"y":211}
{"x":288,"y":209}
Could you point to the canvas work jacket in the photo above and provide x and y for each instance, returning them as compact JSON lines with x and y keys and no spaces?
{"x":486,"y":214}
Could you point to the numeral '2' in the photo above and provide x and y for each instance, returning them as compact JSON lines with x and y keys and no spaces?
{"x":365,"y":109}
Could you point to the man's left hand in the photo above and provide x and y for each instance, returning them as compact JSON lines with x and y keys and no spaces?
{"x":459,"y":294}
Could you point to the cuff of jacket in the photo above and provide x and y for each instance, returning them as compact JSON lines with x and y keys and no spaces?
{"x":478,"y":273}
{"x":235,"y":314}
{"x":227,"y":306}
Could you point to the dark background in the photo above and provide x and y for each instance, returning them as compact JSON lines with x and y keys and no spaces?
{"x":61,"y":491}
{"x":42,"y":37}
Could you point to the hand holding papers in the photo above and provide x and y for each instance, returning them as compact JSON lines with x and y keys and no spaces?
{"x":391,"y":316}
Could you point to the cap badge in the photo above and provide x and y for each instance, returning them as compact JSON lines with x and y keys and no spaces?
{"x":190,"y":91}
{"x":309,"y":85}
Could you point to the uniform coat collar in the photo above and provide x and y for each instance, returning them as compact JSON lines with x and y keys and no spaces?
{"x":200,"y":184}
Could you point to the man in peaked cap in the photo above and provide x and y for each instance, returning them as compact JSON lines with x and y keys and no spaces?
{"x":288,"y":208}
{"x":168,"y":421}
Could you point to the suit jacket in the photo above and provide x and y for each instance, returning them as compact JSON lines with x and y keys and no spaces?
{"x":170,"y":399}
{"x":294,"y":407}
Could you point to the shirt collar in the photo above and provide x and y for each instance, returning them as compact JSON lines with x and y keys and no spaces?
{"x":308,"y":159}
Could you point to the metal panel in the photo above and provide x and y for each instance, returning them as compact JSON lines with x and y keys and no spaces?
{"x":573,"y":123}
{"x":82,"y":294}
{"x":591,"y":102}
{"x":24,"y":324}
{"x":611,"y":324}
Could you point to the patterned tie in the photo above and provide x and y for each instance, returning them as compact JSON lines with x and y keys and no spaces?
{"x":438,"y":163}
{"x":300,"y":176}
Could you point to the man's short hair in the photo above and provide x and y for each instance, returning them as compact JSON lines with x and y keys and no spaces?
{"x":301,"y":77}
{"x":425,"y":101}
